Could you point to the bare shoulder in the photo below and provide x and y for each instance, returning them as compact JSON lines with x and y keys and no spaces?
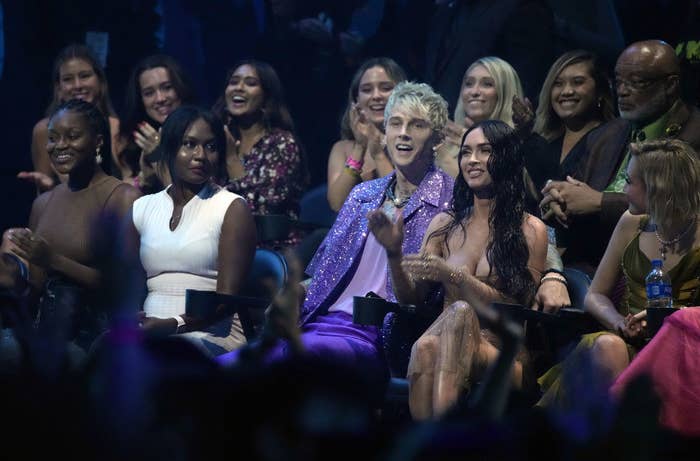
{"x":440,"y":220}
{"x":534,"y":225}
{"x":41,"y":130}
{"x":341,"y":148}
{"x":238,"y":208}
{"x":41,"y":127}
{"x":628,"y":224}
{"x":122,"y":198}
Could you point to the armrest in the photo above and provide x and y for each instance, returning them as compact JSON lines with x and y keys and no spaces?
{"x":371,"y":310}
{"x":204,"y":304}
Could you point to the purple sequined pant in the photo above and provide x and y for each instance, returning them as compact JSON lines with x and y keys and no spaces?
{"x":335,"y":338}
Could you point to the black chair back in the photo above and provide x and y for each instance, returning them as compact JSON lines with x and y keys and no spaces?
{"x":267,"y":276}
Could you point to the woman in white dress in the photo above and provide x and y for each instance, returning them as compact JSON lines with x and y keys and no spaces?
{"x":193,"y":234}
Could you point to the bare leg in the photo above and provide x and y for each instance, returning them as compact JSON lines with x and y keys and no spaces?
{"x":488,"y":354}
{"x":420,"y":383}
{"x":609,"y":355}
{"x":459,"y":345}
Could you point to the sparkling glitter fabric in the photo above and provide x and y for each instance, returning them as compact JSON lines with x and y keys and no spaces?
{"x":335,"y":262}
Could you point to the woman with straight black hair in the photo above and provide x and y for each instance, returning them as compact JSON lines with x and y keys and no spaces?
{"x":193,"y":234}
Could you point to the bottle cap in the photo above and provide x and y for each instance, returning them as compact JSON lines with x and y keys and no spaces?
{"x":657,"y":263}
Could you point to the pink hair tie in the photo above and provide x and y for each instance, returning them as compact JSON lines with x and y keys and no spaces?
{"x":354,"y":164}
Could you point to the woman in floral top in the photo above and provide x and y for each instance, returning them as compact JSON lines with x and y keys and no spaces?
{"x":264,"y":160}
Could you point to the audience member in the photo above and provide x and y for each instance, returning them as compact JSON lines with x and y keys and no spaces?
{"x":69,"y":233}
{"x":157,"y":86}
{"x":359,"y":155}
{"x":489,"y":89}
{"x":263,"y":157}
{"x":590,"y":201}
{"x":663,"y":191}
{"x":484,"y":249}
{"x":575,"y":99}
{"x":350,"y":261}
{"x":76,"y":75}
{"x":193,"y":234}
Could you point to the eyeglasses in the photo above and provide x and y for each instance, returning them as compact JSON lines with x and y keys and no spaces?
{"x":638,"y":84}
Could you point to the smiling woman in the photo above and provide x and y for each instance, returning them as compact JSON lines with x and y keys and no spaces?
{"x":263,"y":157}
{"x":359,"y":155}
{"x":575,"y":99}
{"x":484,"y":249}
{"x":76,"y":75}
{"x":193,"y":234}
{"x":69,"y":227}
{"x":488,"y":89}
{"x":157,"y":86}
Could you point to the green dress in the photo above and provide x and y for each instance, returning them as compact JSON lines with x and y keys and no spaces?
{"x":685,"y":280}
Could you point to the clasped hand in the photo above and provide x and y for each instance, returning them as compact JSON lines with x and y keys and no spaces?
{"x":562,"y":199}
{"x":633,"y":326}
{"x":365,"y":132}
{"x":146,"y":137}
{"x":427,"y":268}
{"x":29,"y":246}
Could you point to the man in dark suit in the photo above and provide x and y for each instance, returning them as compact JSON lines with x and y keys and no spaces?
{"x":462,"y":31}
{"x":648,"y":90}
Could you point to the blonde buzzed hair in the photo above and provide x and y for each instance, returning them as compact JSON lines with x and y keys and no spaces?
{"x":507,"y":85}
{"x":419,"y":98}
{"x":670,"y":169}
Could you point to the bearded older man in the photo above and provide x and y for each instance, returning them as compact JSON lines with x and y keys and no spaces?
{"x":587,"y":204}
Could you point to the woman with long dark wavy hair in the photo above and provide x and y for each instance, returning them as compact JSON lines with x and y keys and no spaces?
{"x":264,"y":159}
{"x":485,"y":249}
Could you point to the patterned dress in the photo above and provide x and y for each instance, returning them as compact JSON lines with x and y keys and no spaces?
{"x":274,"y":179}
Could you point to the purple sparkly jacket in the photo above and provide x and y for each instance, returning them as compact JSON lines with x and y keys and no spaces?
{"x":336,"y":260}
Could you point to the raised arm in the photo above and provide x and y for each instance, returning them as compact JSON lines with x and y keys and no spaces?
{"x":598,"y":301}
{"x":408,"y":288}
{"x":340,"y":181}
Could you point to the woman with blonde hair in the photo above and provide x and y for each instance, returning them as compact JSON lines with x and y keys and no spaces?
{"x":488,"y":89}
{"x":663,"y":189}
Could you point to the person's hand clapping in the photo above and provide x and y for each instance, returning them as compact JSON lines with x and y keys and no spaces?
{"x":146,"y":137}
{"x":428,"y":268}
{"x":30,"y":246}
{"x":389,"y":234}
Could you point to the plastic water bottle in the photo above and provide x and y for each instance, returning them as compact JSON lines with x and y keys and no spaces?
{"x":658,"y":286}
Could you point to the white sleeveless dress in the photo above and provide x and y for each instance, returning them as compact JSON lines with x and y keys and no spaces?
{"x":186,"y":257}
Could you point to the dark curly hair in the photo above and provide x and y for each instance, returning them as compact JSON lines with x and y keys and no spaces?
{"x":97,"y":123}
{"x":507,"y":251}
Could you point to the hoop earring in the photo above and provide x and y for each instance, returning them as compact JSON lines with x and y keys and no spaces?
{"x":98,"y":156}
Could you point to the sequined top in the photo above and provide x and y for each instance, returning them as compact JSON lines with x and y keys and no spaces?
{"x":336,"y":260}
